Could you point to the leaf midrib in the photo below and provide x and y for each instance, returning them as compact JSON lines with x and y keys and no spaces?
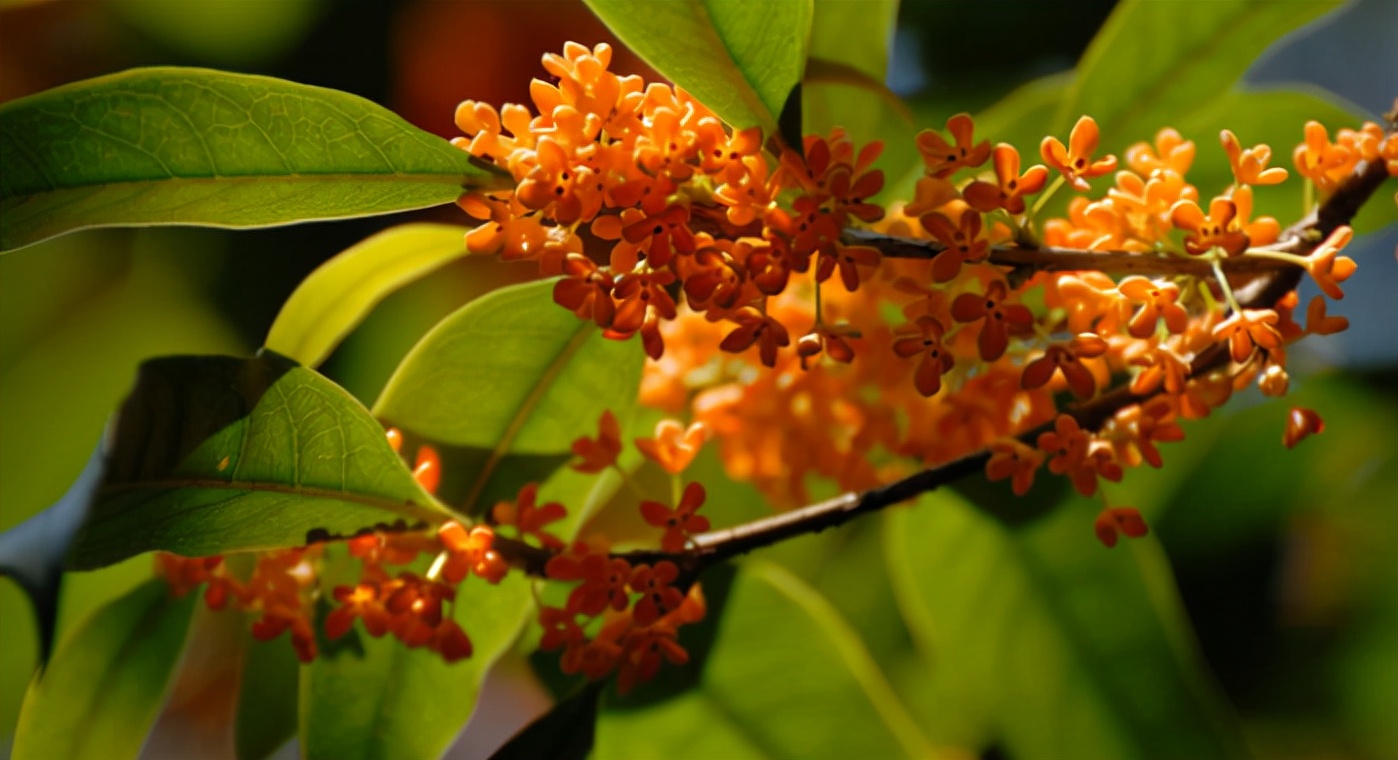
{"x":419,"y":512}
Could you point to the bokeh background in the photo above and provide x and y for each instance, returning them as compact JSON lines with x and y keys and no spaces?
{"x":1284,"y":560}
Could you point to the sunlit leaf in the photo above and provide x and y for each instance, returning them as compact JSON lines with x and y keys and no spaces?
{"x":209,"y":148}
{"x":216,"y":454}
{"x":380,"y":699}
{"x":1147,"y":68}
{"x":108,"y":679}
{"x":337,"y":296}
{"x":1066,"y":649}
{"x":502,"y":388}
{"x":786,"y":678}
{"x":740,"y":59}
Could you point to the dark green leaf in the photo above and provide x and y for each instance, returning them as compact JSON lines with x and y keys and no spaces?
{"x":266,"y":713}
{"x":503,"y":387}
{"x":32,"y":552}
{"x":216,"y":454}
{"x":107,"y":682}
{"x":209,"y":148}
{"x":384,"y":700}
{"x":857,"y":34}
{"x":337,"y":296}
{"x":564,"y":733}
{"x":1151,"y":64}
{"x":740,"y":59}
{"x":1064,"y":648}
{"x":786,"y":678}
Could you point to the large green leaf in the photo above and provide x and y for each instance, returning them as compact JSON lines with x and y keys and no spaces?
{"x":380,"y":699}
{"x":1063,"y":648}
{"x":337,"y":296}
{"x":1153,"y":63}
{"x":216,"y":454}
{"x":209,"y":148}
{"x":740,"y":59}
{"x":503,"y":387}
{"x":108,"y":679}
{"x":786,"y":678}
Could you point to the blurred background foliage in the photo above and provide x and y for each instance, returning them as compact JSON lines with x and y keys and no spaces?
{"x":1276,"y":566}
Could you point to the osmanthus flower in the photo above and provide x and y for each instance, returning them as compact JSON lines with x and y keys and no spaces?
{"x":1321,"y":161}
{"x":658,"y":596}
{"x":643,"y":651}
{"x":472,"y":551}
{"x":1078,"y":455}
{"x":603,"y":577}
{"x":427,"y":468}
{"x":680,"y":523}
{"x":1327,"y":267}
{"x":1171,"y":153}
{"x":1320,"y":323}
{"x":639,"y":293}
{"x":674,"y":446}
{"x":1116,"y":521}
{"x":754,"y":327}
{"x":1010,"y":187}
{"x":1260,"y":231}
{"x":999,"y":320}
{"x":1160,"y":365}
{"x":1250,"y":165}
{"x":1219,"y":229}
{"x":1067,"y":361}
{"x":849,"y":259}
{"x":586,"y":290}
{"x":1142,"y":206}
{"x":597,"y":454}
{"x":529,"y":517}
{"x":1009,"y":458}
{"x":1247,"y":331}
{"x":943,"y":158}
{"x":1137,"y":428}
{"x":1090,"y":299}
{"x":745,"y":194}
{"x":1158,"y":301}
{"x":930,"y":194}
{"x":1075,"y":161}
{"x":556,"y":186}
{"x":1301,"y":424}
{"x":359,"y":601}
{"x":831,"y":341}
{"x":962,"y":238}
{"x":923,"y":337}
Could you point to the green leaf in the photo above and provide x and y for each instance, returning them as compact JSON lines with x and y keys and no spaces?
{"x":740,"y":59}
{"x":108,"y":680}
{"x":503,"y":386}
{"x":857,"y":34}
{"x":337,"y":296}
{"x":786,"y":678}
{"x":216,"y":454}
{"x":266,"y":712}
{"x":1065,"y":648}
{"x":1153,"y":63}
{"x":209,"y":148}
{"x":381,"y":699}
{"x":32,"y":552}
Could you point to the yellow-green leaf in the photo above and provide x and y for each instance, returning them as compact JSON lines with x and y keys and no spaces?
{"x":337,"y":296}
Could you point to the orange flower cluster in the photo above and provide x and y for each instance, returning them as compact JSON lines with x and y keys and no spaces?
{"x":281,"y":588}
{"x":720,"y":255}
